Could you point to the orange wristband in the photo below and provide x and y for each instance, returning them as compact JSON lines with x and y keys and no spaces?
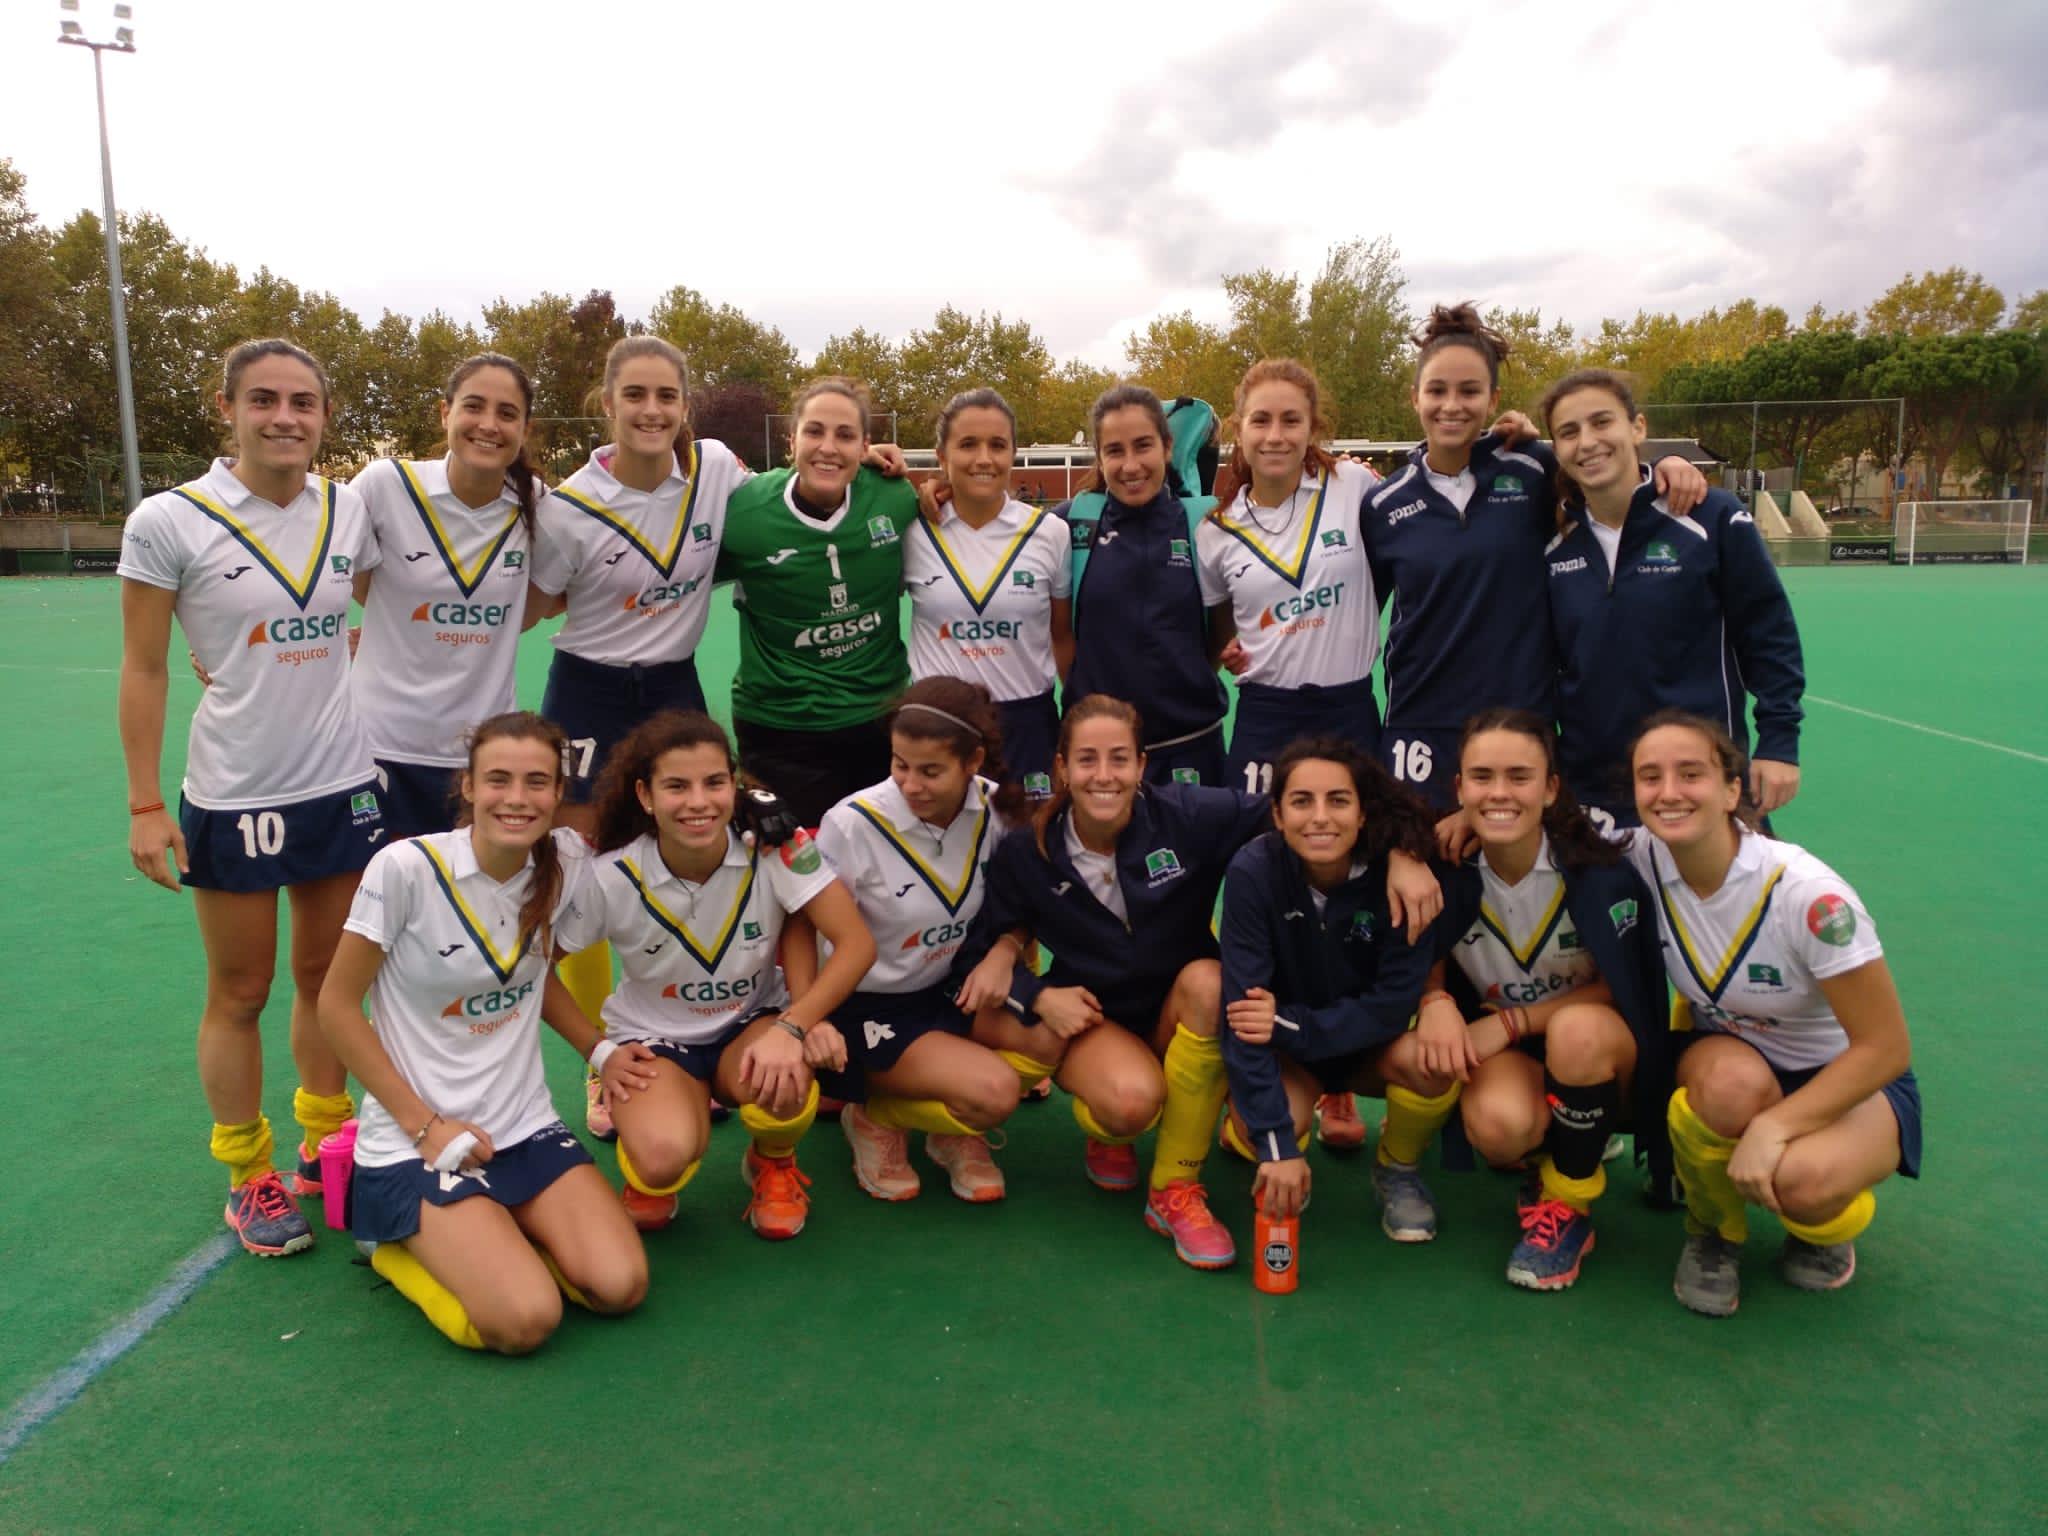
{"x":144,"y":810}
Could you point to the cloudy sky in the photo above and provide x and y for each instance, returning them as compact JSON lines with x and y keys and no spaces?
{"x":1081,"y":165}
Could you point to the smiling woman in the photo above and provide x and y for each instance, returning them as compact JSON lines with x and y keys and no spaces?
{"x":256,"y":560}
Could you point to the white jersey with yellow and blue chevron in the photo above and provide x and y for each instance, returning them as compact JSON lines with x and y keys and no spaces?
{"x":1523,"y":947}
{"x":441,"y":622}
{"x":457,"y":1000}
{"x":636,"y":565}
{"x":697,"y":958}
{"x":981,"y":598}
{"x":1750,"y":958}
{"x":263,"y":596}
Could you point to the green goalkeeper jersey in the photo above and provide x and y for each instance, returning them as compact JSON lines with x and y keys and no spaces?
{"x":820,"y":604}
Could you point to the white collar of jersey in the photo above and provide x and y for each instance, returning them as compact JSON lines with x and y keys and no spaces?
{"x":432,"y":477}
{"x":458,"y":852}
{"x":655,"y":873}
{"x":1544,"y":864}
{"x":223,"y":487}
{"x":452,"y":856}
{"x":1750,"y":856}
{"x":888,"y":799}
{"x":831,"y":521}
{"x":1460,"y":478}
{"x":425,"y":482}
{"x":218,"y":495}
{"x":599,"y":481}
{"x":1712,"y":975}
{"x":1012,"y":515}
{"x":1289,"y":567}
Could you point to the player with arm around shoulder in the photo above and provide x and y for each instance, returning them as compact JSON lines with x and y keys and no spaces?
{"x":915,"y":850}
{"x":444,"y":608}
{"x":256,"y":561}
{"x":696,"y":912}
{"x":1547,"y":999}
{"x":1657,"y":608}
{"x":1319,"y":984}
{"x":1795,"y":1085}
{"x":1457,"y":537}
{"x":989,"y":579}
{"x":484,"y":1209}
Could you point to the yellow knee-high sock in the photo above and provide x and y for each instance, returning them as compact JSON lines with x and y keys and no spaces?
{"x":562,"y":1283}
{"x":1194,"y":1098}
{"x":245,"y":1148}
{"x":1701,"y":1155}
{"x":588,"y":976}
{"x":632,"y":1175}
{"x":1579,"y":1194}
{"x":1844,"y":1227}
{"x":411,"y":1279}
{"x":916,"y":1115}
{"x":1030,"y":1071}
{"x":778,"y":1138}
{"x":1412,"y":1120}
{"x":1092,"y":1127}
{"x":319,"y":1116}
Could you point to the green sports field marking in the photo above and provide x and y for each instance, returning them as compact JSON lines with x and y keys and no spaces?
{"x":1930,"y":730}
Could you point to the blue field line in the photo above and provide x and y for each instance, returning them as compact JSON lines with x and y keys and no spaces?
{"x":62,"y":1389}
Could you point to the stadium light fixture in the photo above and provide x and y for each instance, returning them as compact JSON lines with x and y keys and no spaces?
{"x":123,"y":41}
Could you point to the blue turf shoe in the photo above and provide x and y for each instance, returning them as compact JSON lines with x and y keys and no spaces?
{"x":306,"y":1182}
{"x":1554,"y":1240}
{"x":266,"y":1218}
{"x":1407,"y":1209}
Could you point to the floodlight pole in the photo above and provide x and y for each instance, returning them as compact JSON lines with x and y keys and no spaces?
{"x":124,"y":383}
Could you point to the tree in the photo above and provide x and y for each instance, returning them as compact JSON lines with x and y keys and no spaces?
{"x":2031,"y":313}
{"x":723,"y":345}
{"x":1357,"y":329}
{"x":736,"y":415}
{"x":860,"y":354}
{"x":1650,"y":346}
{"x":31,"y":409}
{"x":1950,"y":383}
{"x":1180,"y":355}
{"x":960,"y":351}
{"x":1070,"y":391}
{"x":1538,"y":356}
{"x":562,"y":346}
{"x":267,"y":305}
{"x":1947,"y":303}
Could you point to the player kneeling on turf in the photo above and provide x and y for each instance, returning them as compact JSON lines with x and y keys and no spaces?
{"x":695,"y":912}
{"x":1549,"y":934}
{"x":451,"y":939}
{"x":1795,"y":1085}
{"x":1319,"y":985}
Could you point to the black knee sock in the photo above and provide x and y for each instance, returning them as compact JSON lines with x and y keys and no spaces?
{"x":1580,"y":1117}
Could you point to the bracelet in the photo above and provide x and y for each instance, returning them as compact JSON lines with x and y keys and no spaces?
{"x":600,"y":1054}
{"x":790,"y":1027}
{"x":1430,"y":997}
{"x":1508,"y":1022}
{"x":144,"y":810}
{"x":422,"y":1136}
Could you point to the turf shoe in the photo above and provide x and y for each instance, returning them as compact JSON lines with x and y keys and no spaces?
{"x":1111,"y":1165}
{"x":597,"y":1115}
{"x":1709,"y":1276}
{"x":650,"y":1213}
{"x":1338,"y":1127}
{"x":1816,"y":1266}
{"x":264,"y":1216}
{"x":881,"y":1156}
{"x":306,"y":1182}
{"x":780,"y":1205}
{"x":1407,"y":1209}
{"x":974,"y":1174}
{"x":1555,"y":1238}
{"x":1180,"y":1210}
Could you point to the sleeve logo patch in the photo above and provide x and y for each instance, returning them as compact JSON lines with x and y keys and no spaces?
{"x":801,"y":854}
{"x":1623,"y":915}
{"x":1831,"y":920}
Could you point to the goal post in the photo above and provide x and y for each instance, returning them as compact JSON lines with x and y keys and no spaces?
{"x":1962,"y":532}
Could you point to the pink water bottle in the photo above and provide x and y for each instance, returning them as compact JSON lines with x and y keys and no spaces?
{"x":337,"y":1162}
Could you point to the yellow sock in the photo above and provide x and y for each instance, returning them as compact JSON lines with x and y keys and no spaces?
{"x":1412,"y":1120}
{"x":411,"y":1279}
{"x":1030,"y":1071}
{"x":245,"y":1148}
{"x":1841,"y":1228}
{"x":1579,"y":1194}
{"x":1085,"y":1118}
{"x":916,"y":1115}
{"x":1681,"y":1016}
{"x":1701,"y":1155}
{"x":1194,"y":1098}
{"x":778,"y":1138}
{"x":562,"y":1281}
{"x":1234,"y":1141}
{"x":319,"y":1116}
{"x":632,"y":1175}
{"x":588,"y":976}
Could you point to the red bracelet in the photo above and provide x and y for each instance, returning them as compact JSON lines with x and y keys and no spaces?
{"x":1507,"y":1022}
{"x":144,"y":810}
{"x":1430,"y":997}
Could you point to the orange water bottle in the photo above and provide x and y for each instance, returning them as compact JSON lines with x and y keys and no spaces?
{"x":1276,"y":1252}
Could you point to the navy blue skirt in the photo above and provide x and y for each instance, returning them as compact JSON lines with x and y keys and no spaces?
{"x":384,"y":1203}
